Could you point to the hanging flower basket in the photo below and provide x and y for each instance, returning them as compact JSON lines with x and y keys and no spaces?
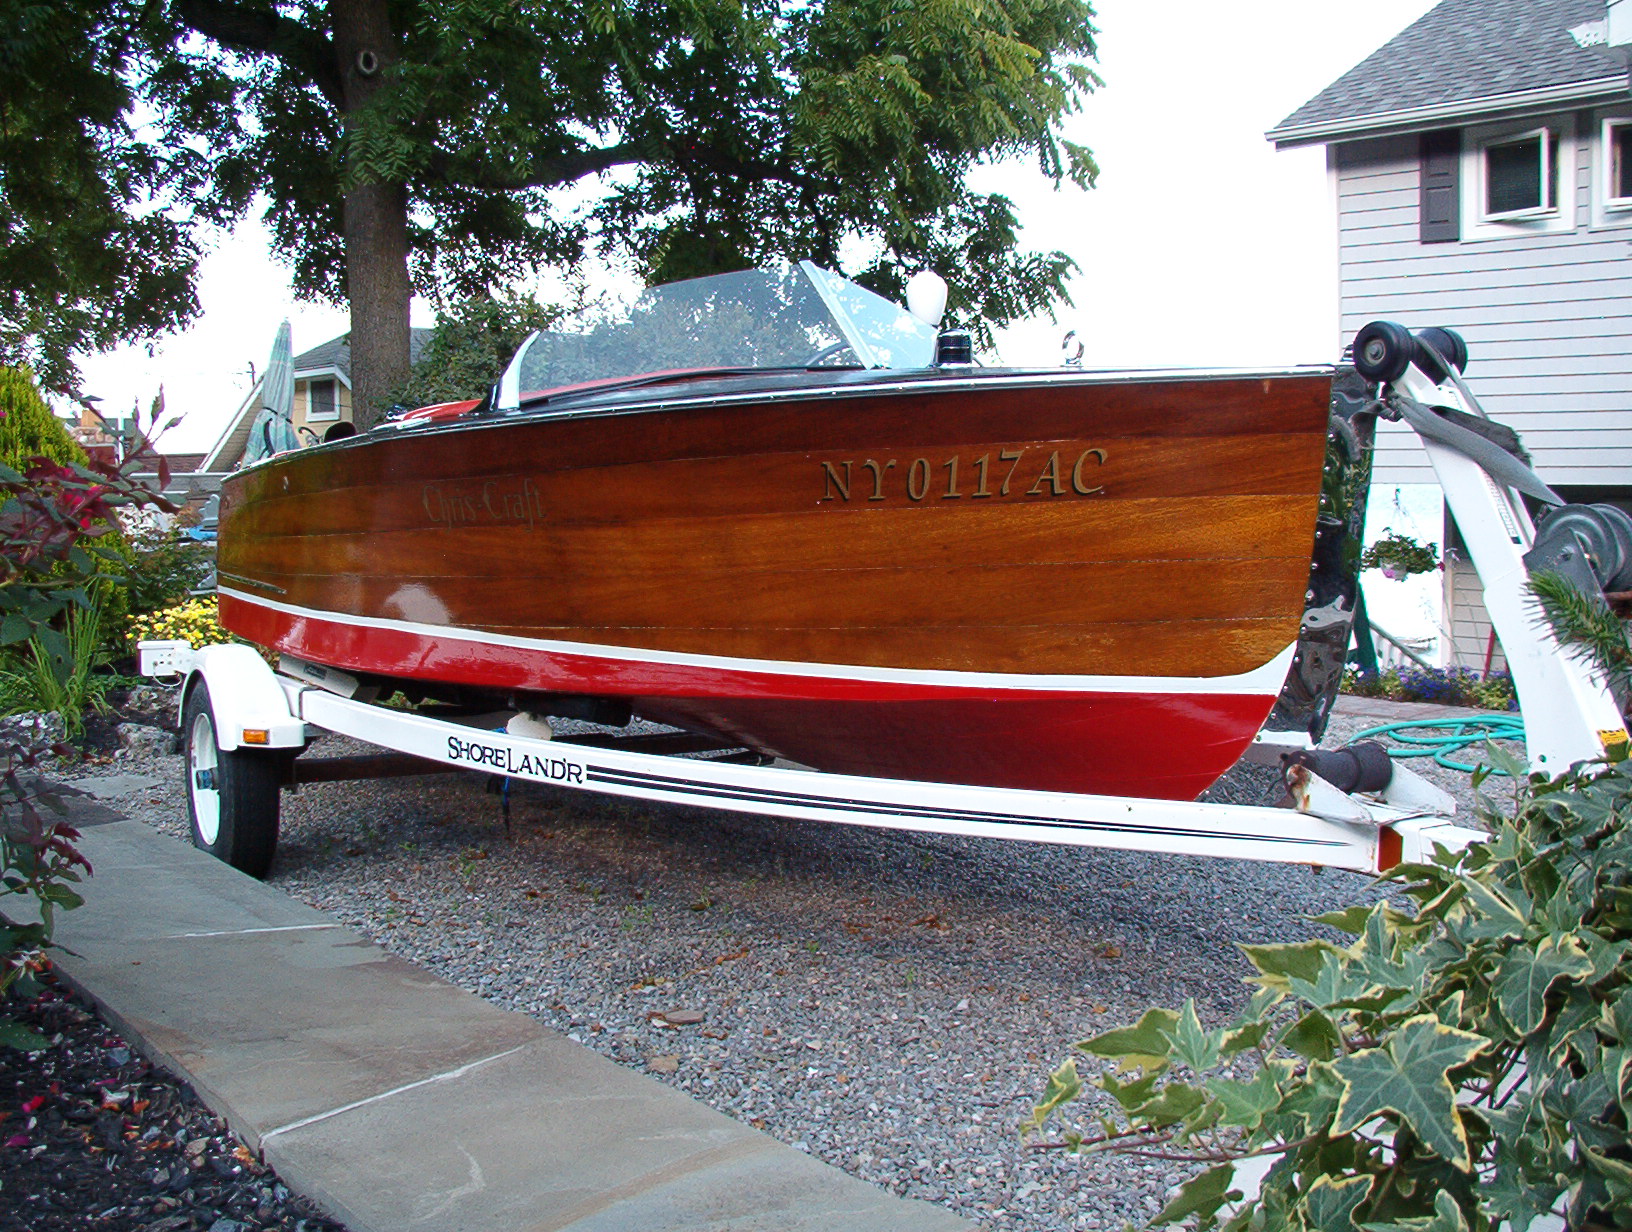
{"x":1399,"y":556}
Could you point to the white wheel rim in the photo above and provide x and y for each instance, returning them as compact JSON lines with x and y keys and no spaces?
{"x":203,"y":783}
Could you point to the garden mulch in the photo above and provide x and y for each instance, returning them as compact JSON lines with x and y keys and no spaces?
{"x":94,"y":1136}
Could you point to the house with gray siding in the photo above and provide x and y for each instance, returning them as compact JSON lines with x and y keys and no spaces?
{"x":1481,"y":164}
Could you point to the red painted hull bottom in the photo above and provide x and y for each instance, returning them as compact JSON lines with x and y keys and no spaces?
{"x":1167,"y":746}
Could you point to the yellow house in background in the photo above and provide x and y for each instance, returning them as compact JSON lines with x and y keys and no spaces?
{"x":322,"y":400}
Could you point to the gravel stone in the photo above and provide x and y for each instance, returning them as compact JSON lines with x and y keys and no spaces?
{"x":889,"y":1002}
{"x":139,"y":740}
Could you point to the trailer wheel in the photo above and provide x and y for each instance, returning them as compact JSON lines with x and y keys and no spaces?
{"x":1383,"y":351}
{"x":232,"y":797}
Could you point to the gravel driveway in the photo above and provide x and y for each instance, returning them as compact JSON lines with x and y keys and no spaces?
{"x":891,"y":1003}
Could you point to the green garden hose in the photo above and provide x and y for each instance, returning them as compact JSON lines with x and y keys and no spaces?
{"x":1450,"y":736}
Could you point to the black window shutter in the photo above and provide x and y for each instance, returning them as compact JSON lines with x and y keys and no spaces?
{"x":1441,"y":186}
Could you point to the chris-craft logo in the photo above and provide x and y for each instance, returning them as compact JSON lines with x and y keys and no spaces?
{"x":497,"y":502}
{"x":1004,"y":473}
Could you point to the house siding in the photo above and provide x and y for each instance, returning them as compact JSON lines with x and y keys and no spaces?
{"x":300,"y":414}
{"x":1468,"y":626}
{"x":1547,"y":316}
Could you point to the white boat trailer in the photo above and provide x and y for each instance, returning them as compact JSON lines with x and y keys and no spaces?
{"x":244,"y":722}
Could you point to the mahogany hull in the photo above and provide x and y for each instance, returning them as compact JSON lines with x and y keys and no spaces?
{"x":1063,"y":582}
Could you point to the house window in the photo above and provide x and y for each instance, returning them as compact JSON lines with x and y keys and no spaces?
{"x":322,"y":401}
{"x":1618,"y":164}
{"x":1521,"y":176}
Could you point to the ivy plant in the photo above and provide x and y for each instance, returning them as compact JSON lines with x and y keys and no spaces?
{"x":1463,"y":1064}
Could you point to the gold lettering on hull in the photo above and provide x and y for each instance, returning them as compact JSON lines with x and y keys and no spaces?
{"x":493,"y":502}
{"x":995,"y":474}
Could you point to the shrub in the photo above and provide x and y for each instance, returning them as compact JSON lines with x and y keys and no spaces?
{"x":1463,"y":1064}
{"x":51,"y":515}
{"x":165,"y":566}
{"x":1447,"y":686}
{"x":31,"y":436}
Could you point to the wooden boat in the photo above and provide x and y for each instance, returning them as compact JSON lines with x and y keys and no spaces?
{"x":1067,"y":580}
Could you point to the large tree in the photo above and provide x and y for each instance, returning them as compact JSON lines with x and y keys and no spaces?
{"x":450,"y":146}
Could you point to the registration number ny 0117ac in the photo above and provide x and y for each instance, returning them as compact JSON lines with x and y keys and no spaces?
{"x":1027,"y":471}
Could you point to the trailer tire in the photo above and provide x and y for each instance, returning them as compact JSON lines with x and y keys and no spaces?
{"x":232,"y":797}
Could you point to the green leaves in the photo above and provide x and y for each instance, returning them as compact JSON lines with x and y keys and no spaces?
{"x":1409,"y":1076}
{"x":1523,"y":977}
{"x":1064,"y":1085}
{"x":1460,"y":1066}
{"x":1201,"y":1197}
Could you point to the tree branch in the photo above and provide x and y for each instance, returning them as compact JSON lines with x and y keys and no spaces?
{"x":569,"y":168}
{"x":240,"y":28}
{"x":539,"y":173}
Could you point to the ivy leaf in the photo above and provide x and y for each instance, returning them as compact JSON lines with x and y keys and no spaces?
{"x":1447,"y":1217}
{"x":1277,"y":965}
{"x":1532,"y":1166}
{"x":1174,"y":1104}
{"x":1330,"y":1204}
{"x":1131,"y":1094}
{"x":1064,"y":1085}
{"x":1409,"y":1076}
{"x":1493,"y":913}
{"x":1523,"y":977}
{"x":1377,"y":955}
{"x":1190,"y":1045}
{"x":1246,"y":1103}
{"x":1201,"y":1197}
{"x":1145,"y":1044}
{"x":1239,"y":1039}
{"x":1617,"y":1175}
{"x":1348,"y":920}
{"x":1313,"y":1037}
{"x":1506,"y":763}
{"x":1340,"y":982}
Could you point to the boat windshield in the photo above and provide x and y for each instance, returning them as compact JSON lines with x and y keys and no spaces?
{"x":801,"y":317}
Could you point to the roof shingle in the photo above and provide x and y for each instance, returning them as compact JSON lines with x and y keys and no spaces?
{"x":1462,"y":51}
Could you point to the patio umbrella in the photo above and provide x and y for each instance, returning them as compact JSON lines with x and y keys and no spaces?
{"x":274,"y":429}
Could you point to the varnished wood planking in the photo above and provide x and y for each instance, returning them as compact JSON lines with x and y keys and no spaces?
{"x":491,"y":491}
{"x":694,"y":556}
{"x":942,"y":596}
{"x":1294,"y":406}
{"x":1187,"y":528}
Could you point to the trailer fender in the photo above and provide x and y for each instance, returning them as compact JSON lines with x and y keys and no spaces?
{"x":249,"y":708}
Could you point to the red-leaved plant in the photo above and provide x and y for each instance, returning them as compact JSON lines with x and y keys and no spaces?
{"x":50,"y":515}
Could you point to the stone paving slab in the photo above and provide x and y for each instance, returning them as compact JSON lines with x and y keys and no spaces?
{"x":398,"y":1101}
{"x":1386,"y":710}
{"x":611,"y":1150}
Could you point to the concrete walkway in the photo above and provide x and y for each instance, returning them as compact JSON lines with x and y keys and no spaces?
{"x":398,"y":1101}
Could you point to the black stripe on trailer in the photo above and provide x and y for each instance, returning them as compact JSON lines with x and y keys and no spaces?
{"x":690,"y":787}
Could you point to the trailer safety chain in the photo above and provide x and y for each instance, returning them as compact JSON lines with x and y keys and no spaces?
{"x":1439,"y":738}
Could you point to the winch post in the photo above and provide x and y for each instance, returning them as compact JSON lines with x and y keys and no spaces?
{"x":1569,"y":713}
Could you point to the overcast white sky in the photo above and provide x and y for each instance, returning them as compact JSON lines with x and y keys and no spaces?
{"x":1201,"y":244}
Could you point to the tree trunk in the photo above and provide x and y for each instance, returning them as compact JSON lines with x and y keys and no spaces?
{"x":375,"y":221}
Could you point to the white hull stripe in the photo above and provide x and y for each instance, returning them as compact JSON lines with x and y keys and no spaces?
{"x":1261,"y":681}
